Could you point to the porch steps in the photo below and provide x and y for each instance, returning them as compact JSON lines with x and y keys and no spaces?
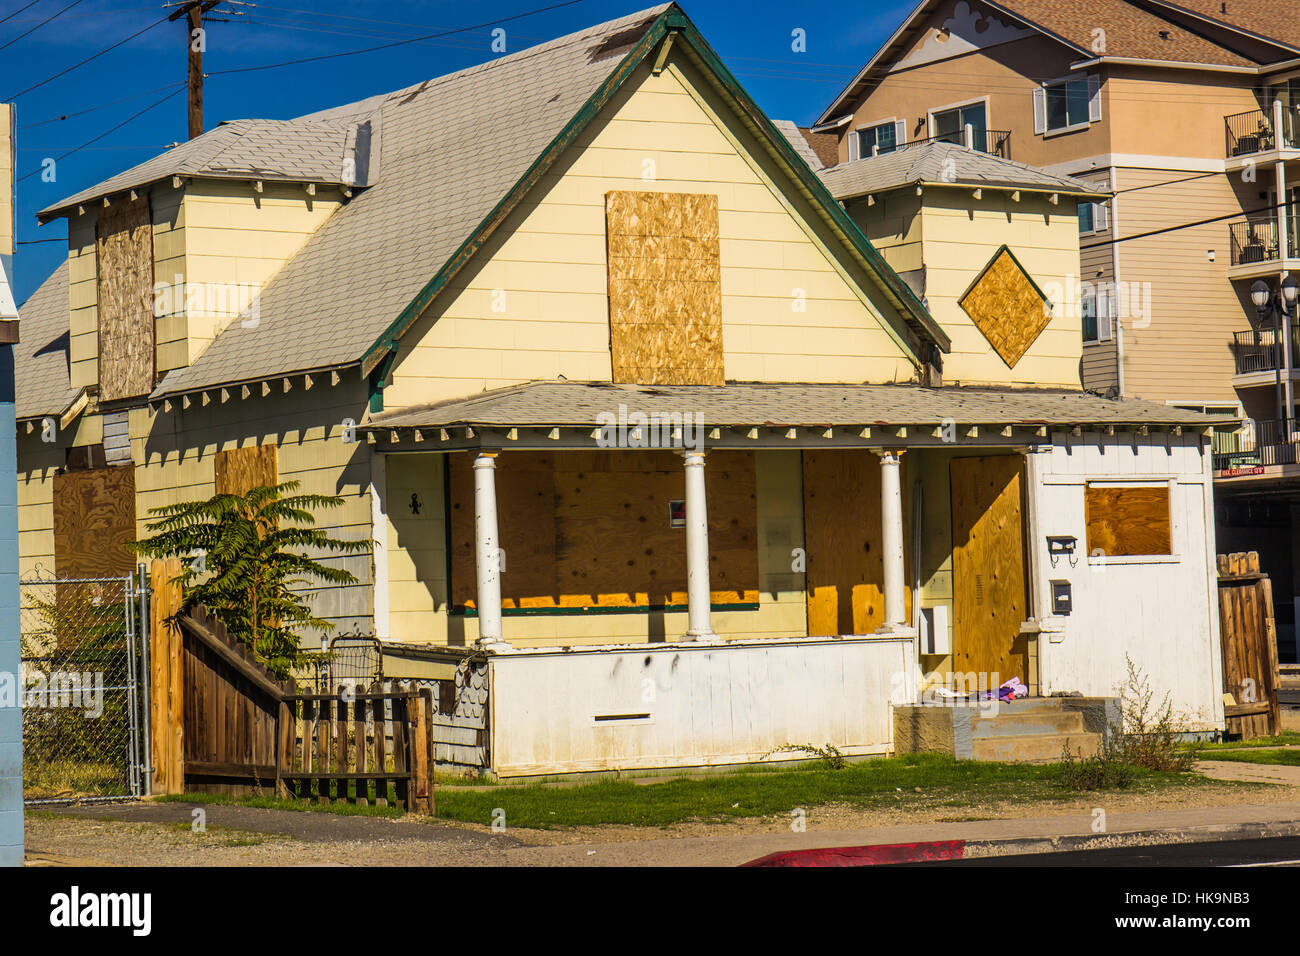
{"x":1032,"y":731}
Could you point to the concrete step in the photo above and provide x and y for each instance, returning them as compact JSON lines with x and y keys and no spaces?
{"x":1035,"y":748}
{"x":1020,"y":723}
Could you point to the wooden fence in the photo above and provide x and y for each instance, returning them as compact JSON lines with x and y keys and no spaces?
{"x":1249,"y":645}
{"x":222,"y":723}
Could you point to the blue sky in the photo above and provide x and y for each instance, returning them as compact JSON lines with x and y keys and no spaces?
{"x":754,"y":38}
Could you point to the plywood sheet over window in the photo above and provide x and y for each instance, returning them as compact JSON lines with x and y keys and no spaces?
{"x":842,"y":536}
{"x":1007,"y":306}
{"x":124,"y":262}
{"x":94,"y":520}
{"x":240,"y":469}
{"x":591,"y":529}
{"x":1128,"y":520}
{"x":665,"y":288}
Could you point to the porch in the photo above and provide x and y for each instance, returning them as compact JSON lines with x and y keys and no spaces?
{"x":679,"y":575}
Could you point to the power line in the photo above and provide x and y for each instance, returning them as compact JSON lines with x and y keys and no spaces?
{"x":395,"y":43}
{"x":1185,"y":225}
{"x":41,"y":24}
{"x":19,"y":10}
{"x":87,"y":60}
{"x":92,"y":109}
{"x":106,"y":132}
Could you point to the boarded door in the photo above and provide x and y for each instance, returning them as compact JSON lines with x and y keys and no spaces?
{"x":842,"y":537}
{"x":988,"y":566}
{"x":1248,"y":638}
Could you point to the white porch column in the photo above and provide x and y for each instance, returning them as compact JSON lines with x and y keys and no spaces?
{"x":697,"y":550}
{"x":891,"y":522}
{"x":487,"y":553}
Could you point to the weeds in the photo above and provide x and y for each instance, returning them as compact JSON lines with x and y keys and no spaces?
{"x":829,"y":755}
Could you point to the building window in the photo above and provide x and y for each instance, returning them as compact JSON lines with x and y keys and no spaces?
{"x":1067,"y":104}
{"x":1127,"y":520}
{"x":877,"y":139}
{"x":949,"y":126}
{"x":1094,"y":306}
{"x":1092,"y":217}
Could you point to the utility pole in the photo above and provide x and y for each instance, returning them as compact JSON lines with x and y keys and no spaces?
{"x":195,"y":42}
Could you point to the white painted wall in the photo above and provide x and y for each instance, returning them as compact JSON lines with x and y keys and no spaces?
{"x":707,"y":704}
{"x":1160,"y":611}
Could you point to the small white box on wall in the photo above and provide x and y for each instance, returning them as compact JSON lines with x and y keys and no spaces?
{"x":935,"y":636}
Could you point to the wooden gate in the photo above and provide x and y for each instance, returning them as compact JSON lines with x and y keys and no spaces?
{"x":224,"y":724}
{"x":988,"y":567}
{"x":1248,"y":639}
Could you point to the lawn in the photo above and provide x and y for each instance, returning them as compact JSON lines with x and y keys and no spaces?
{"x":1285,"y":738}
{"x":910,"y":782}
{"x":1290,"y":758}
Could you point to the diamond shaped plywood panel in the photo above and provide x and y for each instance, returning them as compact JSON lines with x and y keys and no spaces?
{"x":1007,"y":306}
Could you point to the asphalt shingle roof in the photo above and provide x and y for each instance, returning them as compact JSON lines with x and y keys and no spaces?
{"x":939,"y":163}
{"x":41,"y":358}
{"x":451,"y":148}
{"x":285,"y":150}
{"x":580,"y":403}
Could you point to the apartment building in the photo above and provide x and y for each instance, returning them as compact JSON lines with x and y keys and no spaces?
{"x":1188,"y":114}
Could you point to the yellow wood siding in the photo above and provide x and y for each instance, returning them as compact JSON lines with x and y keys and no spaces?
{"x":534,"y":304}
{"x":960,"y":236}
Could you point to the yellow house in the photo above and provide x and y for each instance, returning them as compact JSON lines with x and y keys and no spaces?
{"x":661,"y":462}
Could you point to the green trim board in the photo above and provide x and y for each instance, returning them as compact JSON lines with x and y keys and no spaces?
{"x":674,"y":21}
{"x":592,"y":610}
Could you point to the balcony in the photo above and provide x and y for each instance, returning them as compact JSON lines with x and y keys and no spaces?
{"x":1254,"y":245}
{"x":1257,"y":350}
{"x":1256,"y":131}
{"x":994,"y":141}
{"x":1256,"y":445}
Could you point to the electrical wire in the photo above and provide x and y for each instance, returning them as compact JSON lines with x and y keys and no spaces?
{"x":92,"y":109}
{"x":19,"y":10}
{"x":94,"y":56}
{"x":41,"y":24}
{"x":395,"y":43}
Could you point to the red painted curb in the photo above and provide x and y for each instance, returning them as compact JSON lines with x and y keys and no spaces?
{"x":866,"y":855}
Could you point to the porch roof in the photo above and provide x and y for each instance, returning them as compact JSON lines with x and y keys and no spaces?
{"x":561,"y":406}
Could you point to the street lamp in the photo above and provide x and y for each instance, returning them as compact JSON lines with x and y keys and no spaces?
{"x":1261,"y":294}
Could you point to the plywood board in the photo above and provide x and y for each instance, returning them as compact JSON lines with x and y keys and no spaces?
{"x":1127,"y":520}
{"x":665,"y":288}
{"x":988,"y":560}
{"x":842,"y":537}
{"x":94,"y":520}
{"x":591,"y":529}
{"x":1007,"y":306}
{"x":124,"y":263}
{"x":238,"y":470}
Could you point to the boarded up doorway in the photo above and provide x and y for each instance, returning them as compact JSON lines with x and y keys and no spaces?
{"x":988,"y":566}
{"x":842,"y":537}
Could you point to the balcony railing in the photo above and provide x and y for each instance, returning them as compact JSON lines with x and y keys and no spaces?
{"x":1255,"y":238}
{"x":994,"y":141}
{"x":1258,"y":444}
{"x":1253,"y":132}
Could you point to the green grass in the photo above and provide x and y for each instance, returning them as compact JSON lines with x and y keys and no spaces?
{"x":1289,"y":758}
{"x":915,"y":781}
{"x":1285,"y":738}
{"x":910,"y":782}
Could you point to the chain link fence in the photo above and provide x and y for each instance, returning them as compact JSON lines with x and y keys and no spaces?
{"x":81,"y":714}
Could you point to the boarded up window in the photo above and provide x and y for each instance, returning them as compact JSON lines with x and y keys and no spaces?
{"x":1127,"y":519}
{"x":592,"y":529}
{"x":240,"y":469}
{"x":1007,"y":306}
{"x":124,"y":253}
{"x":94,"y":520}
{"x":665,"y":288}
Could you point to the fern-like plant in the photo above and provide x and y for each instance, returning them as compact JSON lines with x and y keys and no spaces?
{"x":243,"y":556}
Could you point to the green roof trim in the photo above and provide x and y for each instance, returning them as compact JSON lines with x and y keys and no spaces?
{"x":673,"y":20}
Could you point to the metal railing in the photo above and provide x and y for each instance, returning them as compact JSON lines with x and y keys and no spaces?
{"x":1252,"y":132}
{"x":1258,"y":444}
{"x":1255,"y":238}
{"x":996,"y":142}
{"x":1256,"y":350}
